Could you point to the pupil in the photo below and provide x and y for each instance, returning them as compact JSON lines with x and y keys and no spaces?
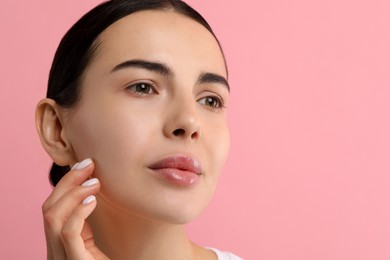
{"x":211,"y":102}
{"x":142,"y":88}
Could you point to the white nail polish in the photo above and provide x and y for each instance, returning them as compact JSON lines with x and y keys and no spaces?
{"x":75,"y":165}
{"x":88,"y":200}
{"x":90,"y":182}
{"x":83,"y":164}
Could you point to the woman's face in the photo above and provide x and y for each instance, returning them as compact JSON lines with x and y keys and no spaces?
{"x":155,"y":90}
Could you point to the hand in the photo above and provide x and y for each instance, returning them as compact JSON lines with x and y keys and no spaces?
{"x":68,"y":235}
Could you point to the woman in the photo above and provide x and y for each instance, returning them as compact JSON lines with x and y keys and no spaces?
{"x":135,"y":115}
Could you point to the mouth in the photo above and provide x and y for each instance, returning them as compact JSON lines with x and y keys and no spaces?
{"x":180,"y":170}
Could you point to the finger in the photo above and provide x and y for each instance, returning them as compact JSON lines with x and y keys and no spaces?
{"x":52,"y":218}
{"x":64,"y":207}
{"x":89,"y":242}
{"x":79,"y":173}
{"x":57,"y":216}
{"x":49,"y":249}
{"x":71,"y":233}
{"x":55,"y":250}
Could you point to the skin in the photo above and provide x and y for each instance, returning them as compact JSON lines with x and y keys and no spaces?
{"x":126,"y":120}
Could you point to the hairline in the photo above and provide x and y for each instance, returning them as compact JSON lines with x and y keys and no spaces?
{"x":93,"y":50}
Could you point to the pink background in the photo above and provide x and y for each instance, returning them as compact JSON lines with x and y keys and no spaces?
{"x":309,"y":172}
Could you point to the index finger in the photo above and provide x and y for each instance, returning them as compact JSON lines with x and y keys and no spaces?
{"x":75,"y":177}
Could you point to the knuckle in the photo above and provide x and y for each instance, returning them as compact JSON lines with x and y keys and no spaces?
{"x":50,"y":218}
{"x":67,"y":233}
{"x":45,"y":206}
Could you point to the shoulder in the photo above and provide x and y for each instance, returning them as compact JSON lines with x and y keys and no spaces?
{"x":224,"y":255}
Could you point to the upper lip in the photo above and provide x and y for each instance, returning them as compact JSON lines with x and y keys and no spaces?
{"x":181,"y":162}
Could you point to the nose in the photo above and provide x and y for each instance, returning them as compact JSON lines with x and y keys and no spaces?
{"x":182,"y":121}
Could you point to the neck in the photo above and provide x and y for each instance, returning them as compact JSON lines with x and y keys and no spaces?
{"x":121,"y":235}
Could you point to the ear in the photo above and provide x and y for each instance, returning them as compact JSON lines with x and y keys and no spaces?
{"x":48,"y":120}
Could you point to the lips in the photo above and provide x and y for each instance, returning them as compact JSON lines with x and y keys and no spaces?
{"x":183,"y":163}
{"x":178,"y":170}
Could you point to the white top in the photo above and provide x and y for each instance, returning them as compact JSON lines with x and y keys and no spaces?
{"x":224,"y":255}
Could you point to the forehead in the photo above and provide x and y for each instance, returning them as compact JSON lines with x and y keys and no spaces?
{"x":161,"y":35}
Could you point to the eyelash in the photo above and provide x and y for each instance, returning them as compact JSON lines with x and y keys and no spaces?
{"x":217,"y":102}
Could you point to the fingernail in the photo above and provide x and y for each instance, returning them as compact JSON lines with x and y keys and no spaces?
{"x":74,"y":166}
{"x":82,"y":164}
{"x":90,"y":182}
{"x":88,"y":200}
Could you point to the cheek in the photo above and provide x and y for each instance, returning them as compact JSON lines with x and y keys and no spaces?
{"x":217,"y":146}
{"x":220,"y":135}
{"x":118,"y":142}
{"x":111,"y":138}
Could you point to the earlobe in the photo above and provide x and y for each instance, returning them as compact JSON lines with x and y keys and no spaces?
{"x":51,"y":132}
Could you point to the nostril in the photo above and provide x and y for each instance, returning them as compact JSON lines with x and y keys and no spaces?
{"x":194,"y":135}
{"x":178,"y":132}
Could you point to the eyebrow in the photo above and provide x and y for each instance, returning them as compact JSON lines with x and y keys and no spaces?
{"x":163,"y":69}
{"x":143,"y":64}
{"x":208,"y":77}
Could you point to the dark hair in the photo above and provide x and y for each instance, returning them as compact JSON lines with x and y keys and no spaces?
{"x":79,"y":44}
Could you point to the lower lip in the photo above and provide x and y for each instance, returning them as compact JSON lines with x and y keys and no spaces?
{"x":177,"y":176}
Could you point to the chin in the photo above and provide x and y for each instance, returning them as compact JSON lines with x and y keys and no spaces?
{"x":155,"y":199}
{"x":181,"y":210}
{"x":178,"y":217}
{"x":175,"y":210}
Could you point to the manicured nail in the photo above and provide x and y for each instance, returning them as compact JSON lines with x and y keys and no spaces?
{"x":83,"y":164}
{"x":74,"y":166}
{"x":90,"y":182}
{"x":88,"y":200}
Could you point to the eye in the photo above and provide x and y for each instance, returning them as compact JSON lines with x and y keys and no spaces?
{"x":212,"y":102}
{"x":141,"y":88}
